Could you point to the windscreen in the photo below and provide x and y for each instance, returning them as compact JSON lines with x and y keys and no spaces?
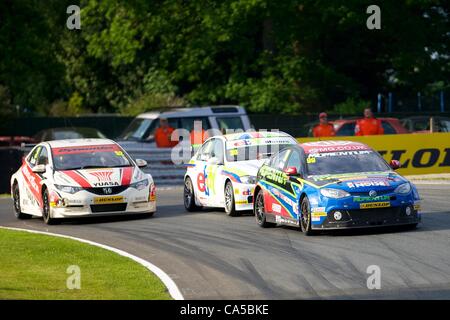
{"x":345,"y":162}
{"x":137,"y":129}
{"x":83,"y":157}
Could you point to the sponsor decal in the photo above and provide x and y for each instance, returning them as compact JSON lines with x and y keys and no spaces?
{"x":86,"y":149}
{"x":368,"y":183}
{"x":317,"y":216}
{"x":104,"y":200}
{"x":201,"y":182}
{"x":283,"y":220}
{"x":371,"y":205}
{"x":318,"y":209}
{"x":276,"y":207}
{"x":367,"y":199}
{"x":271,"y":174}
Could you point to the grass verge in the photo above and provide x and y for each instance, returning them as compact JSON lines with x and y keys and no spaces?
{"x":34,"y":266}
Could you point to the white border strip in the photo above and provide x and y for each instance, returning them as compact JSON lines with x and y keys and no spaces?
{"x":164,"y":277}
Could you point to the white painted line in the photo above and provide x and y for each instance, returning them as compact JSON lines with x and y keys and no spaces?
{"x":164,"y":277}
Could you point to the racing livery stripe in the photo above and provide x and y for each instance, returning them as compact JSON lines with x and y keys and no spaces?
{"x":32,"y":180}
{"x":272,"y":197}
{"x":77,"y":178}
{"x":126,"y":176}
{"x":234,"y":177}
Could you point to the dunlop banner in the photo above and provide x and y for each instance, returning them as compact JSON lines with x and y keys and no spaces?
{"x":418,"y":153}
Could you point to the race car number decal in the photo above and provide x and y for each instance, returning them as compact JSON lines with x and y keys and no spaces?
{"x":103,"y":200}
{"x":371,"y":205}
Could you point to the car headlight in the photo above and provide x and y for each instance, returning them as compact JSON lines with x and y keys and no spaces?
{"x":68,"y":189}
{"x":248,"y":179}
{"x":403,"y":188}
{"x":334,"y":193}
{"x":140,"y":184}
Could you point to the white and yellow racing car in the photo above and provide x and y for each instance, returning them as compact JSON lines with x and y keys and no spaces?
{"x":81,"y":177}
{"x":222,"y":173}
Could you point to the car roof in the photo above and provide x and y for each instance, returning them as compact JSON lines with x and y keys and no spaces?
{"x":355,"y":119}
{"x":333,"y":146}
{"x":255,"y":135}
{"x":426,"y":118}
{"x":78,"y":142}
{"x":195,"y":112}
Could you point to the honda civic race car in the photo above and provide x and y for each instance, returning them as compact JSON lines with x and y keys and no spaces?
{"x":333,"y":185}
{"x":81,"y":177}
{"x":222,"y":173}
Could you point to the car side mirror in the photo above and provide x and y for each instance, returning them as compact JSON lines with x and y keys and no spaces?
{"x":40,"y":168}
{"x":395,"y":164}
{"x":141,"y":163}
{"x":291,"y":171}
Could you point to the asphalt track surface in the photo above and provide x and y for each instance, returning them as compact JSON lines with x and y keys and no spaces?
{"x":212,"y":256}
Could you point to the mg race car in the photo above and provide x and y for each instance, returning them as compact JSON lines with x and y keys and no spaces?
{"x":222,"y":173}
{"x":78,"y":178}
{"x":333,"y":185}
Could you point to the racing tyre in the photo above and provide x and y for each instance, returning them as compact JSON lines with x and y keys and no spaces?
{"x":305,"y":219}
{"x":260,"y":215}
{"x":189,"y":196}
{"x":17,"y":211}
{"x":46,"y":209}
{"x":230,"y":205}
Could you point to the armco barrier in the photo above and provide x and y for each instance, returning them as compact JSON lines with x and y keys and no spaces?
{"x":10,"y":160}
{"x":160,"y":165}
{"x":418,"y":153}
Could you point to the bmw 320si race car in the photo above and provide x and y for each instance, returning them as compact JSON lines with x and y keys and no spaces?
{"x":81,"y":177}
{"x":222,"y":173}
{"x":333,"y":185}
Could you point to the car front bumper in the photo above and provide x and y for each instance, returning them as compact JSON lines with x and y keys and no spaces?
{"x":243,"y":196}
{"x":366,"y":218}
{"x":84,"y":203}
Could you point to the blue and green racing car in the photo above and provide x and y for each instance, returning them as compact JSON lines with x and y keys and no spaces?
{"x":333,"y":185}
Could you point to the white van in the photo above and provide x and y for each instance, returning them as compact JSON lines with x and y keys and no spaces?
{"x":141,"y":130}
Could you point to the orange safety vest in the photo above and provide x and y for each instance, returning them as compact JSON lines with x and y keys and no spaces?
{"x":162,"y":137}
{"x":324,"y":130}
{"x":368,"y":126}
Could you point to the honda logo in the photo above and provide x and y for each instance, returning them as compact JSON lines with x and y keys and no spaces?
{"x":107,"y":190}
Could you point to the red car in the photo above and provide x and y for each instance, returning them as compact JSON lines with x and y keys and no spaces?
{"x":346,"y":127}
{"x":9,"y":141}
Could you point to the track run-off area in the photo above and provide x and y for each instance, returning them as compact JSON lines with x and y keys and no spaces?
{"x":212,"y":256}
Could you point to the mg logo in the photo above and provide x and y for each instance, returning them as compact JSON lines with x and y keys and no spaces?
{"x":107,"y":190}
{"x":372,"y":193}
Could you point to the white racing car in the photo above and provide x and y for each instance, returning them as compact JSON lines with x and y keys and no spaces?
{"x":222,"y":173}
{"x":81,"y":177}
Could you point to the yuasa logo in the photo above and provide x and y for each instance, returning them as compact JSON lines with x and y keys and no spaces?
{"x":102,"y":176}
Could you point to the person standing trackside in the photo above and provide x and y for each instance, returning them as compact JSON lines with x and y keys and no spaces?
{"x":198,"y":134}
{"x":324,"y":128}
{"x":163,"y":133}
{"x":369,"y":125}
